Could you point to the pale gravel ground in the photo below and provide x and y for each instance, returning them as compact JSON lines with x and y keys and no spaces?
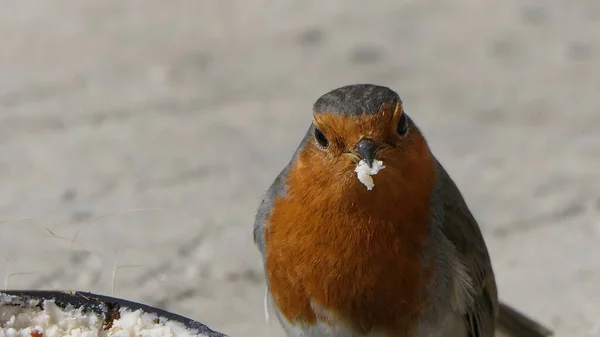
{"x":191,"y":108}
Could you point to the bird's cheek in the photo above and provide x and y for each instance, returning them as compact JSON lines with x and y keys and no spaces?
{"x":340,"y":171}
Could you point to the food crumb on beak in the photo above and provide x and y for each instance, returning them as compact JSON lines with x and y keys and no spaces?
{"x":364,"y":172}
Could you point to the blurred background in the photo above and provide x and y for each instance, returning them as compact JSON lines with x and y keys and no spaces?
{"x":141,"y":135}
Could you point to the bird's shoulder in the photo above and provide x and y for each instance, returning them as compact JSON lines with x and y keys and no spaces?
{"x":276,"y":189}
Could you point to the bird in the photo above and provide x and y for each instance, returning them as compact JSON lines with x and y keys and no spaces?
{"x":364,"y":233}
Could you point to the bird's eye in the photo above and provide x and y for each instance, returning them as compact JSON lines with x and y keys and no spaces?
{"x":402,"y":127}
{"x":320,"y":138}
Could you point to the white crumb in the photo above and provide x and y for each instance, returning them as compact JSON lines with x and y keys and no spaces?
{"x":364,"y":172}
{"x":25,"y":319}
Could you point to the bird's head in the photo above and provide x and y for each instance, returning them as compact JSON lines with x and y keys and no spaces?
{"x":364,"y":122}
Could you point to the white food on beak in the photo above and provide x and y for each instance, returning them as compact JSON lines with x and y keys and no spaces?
{"x":364,"y":172}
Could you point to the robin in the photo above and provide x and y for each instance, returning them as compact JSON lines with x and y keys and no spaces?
{"x":364,"y":233}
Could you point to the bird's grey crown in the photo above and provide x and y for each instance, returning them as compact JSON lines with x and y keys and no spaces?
{"x":355,"y":99}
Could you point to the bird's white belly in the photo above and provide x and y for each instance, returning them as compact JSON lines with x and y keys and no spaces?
{"x":320,"y":329}
{"x":340,"y":330}
{"x":450,"y":328}
{"x":451,"y":325}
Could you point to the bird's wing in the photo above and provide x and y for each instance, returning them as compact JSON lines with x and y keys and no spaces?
{"x":512,"y":323}
{"x":462,"y":230}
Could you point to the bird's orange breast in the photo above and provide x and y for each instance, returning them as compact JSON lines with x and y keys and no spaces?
{"x":355,"y":253}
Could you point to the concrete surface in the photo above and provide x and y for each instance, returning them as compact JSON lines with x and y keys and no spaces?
{"x":186,"y":110}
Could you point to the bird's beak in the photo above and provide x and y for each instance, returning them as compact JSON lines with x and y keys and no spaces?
{"x":366,"y":149}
